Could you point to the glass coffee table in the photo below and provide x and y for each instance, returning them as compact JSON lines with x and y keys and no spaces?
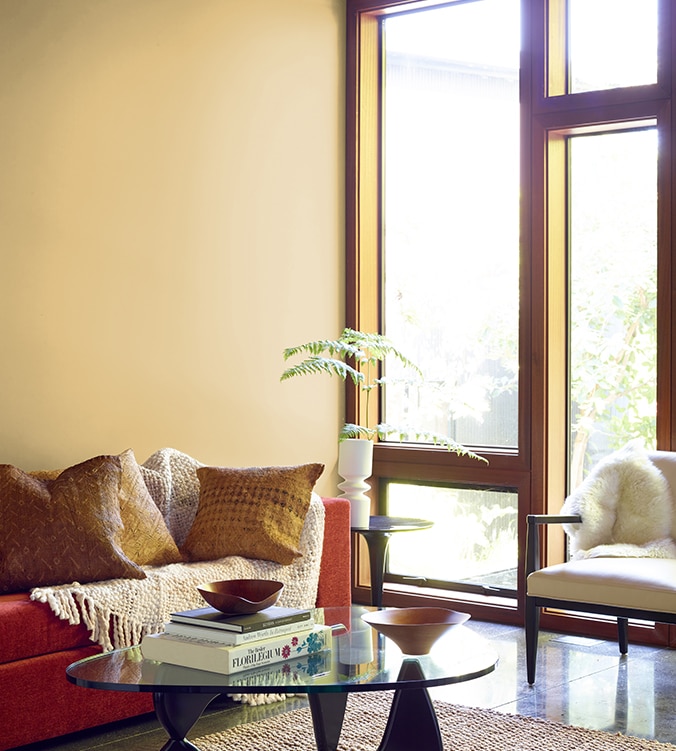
{"x":359,"y":660}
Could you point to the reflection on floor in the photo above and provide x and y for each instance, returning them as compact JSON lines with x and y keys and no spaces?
{"x":580,"y":681}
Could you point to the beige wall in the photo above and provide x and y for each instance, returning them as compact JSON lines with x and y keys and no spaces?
{"x":171,"y":200}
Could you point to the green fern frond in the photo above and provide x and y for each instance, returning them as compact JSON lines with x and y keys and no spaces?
{"x":350,"y":430}
{"x":315,"y":364}
{"x":384,"y":432}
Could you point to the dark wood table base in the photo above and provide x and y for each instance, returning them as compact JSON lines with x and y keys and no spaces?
{"x":178,"y":713}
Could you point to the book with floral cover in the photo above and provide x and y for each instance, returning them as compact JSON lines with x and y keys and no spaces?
{"x":206,"y":654}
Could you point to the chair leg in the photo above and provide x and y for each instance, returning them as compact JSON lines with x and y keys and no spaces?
{"x":623,"y":634}
{"x":532,"y":628}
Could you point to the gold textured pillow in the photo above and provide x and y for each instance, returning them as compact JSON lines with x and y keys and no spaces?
{"x":256,"y":512}
{"x":63,"y":530}
{"x":145,"y":538}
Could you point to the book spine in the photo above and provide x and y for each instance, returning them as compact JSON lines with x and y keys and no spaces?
{"x":282,"y":621}
{"x":208,"y":655}
{"x":303,"y":617}
{"x":235,"y":637}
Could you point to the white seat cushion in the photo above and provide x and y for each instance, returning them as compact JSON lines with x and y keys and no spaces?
{"x":642,"y":583}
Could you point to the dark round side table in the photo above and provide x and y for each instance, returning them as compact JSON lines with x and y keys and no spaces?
{"x":377,"y":536}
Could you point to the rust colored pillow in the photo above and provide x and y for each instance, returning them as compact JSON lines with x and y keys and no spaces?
{"x":145,"y":538}
{"x":257,"y":512}
{"x":63,"y":530}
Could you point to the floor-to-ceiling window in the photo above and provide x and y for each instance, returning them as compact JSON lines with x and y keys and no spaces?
{"x":509,"y":226}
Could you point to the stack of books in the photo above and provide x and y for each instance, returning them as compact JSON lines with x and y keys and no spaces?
{"x":207,"y":639}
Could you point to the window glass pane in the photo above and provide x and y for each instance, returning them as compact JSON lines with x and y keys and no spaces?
{"x":613,"y":294}
{"x":451,"y":213}
{"x":612,"y":43}
{"x":473,"y":540}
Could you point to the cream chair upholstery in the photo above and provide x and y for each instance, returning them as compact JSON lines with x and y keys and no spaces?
{"x":628,"y":572}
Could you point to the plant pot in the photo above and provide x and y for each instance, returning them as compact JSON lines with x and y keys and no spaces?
{"x":355,"y":465}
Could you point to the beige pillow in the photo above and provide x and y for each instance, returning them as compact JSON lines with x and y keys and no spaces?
{"x":257,"y":512}
{"x":145,"y":538}
{"x":63,"y":530}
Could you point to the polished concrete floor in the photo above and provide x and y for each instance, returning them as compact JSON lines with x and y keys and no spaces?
{"x":584,"y":682}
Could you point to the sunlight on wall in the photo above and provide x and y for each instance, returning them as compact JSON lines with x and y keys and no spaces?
{"x":172,"y":219}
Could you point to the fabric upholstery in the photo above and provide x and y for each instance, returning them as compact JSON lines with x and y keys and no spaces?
{"x":62,"y":530}
{"x":39,"y":702}
{"x":256,"y":512}
{"x":643,"y":583}
{"x":29,"y":629}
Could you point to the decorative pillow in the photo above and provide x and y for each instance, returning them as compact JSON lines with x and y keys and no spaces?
{"x":171,"y":478}
{"x":145,"y":538}
{"x":257,"y":512}
{"x":63,"y":530}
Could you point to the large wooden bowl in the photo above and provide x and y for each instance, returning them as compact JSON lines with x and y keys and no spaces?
{"x":241,"y":595}
{"x":414,"y":630}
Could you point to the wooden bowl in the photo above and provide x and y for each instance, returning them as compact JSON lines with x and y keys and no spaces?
{"x":241,"y":595}
{"x":414,"y":630}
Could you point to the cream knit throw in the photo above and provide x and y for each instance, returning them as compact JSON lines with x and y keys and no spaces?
{"x":118,"y":612}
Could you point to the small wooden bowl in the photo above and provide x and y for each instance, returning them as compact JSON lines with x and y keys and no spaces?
{"x":414,"y":630}
{"x":241,"y":595}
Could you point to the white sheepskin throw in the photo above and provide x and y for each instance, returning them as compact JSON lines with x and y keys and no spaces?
{"x":626,"y":507}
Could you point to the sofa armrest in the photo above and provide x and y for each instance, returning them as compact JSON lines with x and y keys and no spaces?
{"x":533,"y":522}
{"x":335,"y":583}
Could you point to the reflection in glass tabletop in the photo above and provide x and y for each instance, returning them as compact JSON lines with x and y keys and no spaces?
{"x":360,"y":659}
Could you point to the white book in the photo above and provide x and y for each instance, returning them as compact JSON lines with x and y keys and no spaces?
{"x":205,"y":654}
{"x":229,"y":638}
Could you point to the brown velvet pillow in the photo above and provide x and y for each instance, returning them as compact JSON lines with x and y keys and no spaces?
{"x":145,"y":538}
{"x":63,"y":530}
{"x":257,"y":512}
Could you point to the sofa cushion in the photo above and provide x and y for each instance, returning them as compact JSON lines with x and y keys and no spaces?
{"x":642,"y":583}
{"x":255,"y":512}
{"x":63,"y":530}
{"x":29,"y":629}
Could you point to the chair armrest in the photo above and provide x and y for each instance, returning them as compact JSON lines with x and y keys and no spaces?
{"x":533,"y":521}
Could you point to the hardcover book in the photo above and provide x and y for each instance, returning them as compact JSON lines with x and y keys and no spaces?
{"x":273,"y":616}
{"x":235,"y":637}
{"x":205,"y":654}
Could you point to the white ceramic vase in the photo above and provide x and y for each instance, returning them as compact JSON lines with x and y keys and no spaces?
{"x":355,"y":465}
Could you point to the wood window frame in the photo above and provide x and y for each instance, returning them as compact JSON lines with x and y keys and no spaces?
{"x":538,"y":468}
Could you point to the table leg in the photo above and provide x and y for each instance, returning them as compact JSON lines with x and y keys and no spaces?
{"x":328,"y":711}
{"x":377,"y":545}
{"x":412,"y":723}
{"x":177,"y":713}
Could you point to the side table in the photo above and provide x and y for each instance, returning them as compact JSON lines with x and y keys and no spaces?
{"x":377,"y":536}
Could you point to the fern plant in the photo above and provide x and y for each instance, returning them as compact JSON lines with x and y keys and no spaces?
{"x":356,"y":355}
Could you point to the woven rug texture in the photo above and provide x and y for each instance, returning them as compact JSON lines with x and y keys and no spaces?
{"x":462,"y":729}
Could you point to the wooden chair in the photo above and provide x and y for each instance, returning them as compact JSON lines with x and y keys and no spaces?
{"x":622,"y":586}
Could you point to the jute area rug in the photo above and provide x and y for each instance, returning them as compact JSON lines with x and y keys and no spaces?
{"x":462,"y":729}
